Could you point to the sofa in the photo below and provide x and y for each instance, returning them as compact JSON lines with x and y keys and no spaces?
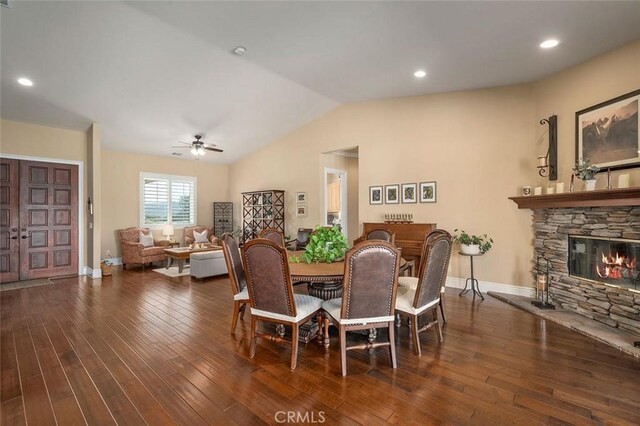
{"x":133,"y":252}
{"x":189,"y":238}
{"x":207,"y":264}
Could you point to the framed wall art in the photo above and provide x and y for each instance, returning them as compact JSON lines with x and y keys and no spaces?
{"x":428,"y":192}
{"x":391,"y":194}
{"x":375,"y":194}
{"x":607,"y":133}
{"x":409,"y":193}
{"x":301,"y":197}
{"x":301,"y":210}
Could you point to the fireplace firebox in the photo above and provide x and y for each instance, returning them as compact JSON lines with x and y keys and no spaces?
{"x":612,"y":261}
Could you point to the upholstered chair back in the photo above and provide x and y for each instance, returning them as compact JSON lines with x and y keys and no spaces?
{"x":302,"y":239}
{"x":132,"y":235}
{"x":234,"y":263}
{"x":370,"y":281}
{"x":190,"y":239}
{"x":381,"y":235}
{"x":433,"y":268}
{"x":268,"y":279}
{"x":273,"y":235}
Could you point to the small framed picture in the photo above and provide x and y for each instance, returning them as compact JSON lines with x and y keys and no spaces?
{"x":428,"y":192}
{"x":409,"y":191}
{"x":301,"y":197}
{"x":301,"y":211}
{"x":375,"y":195}
{"x":391,"y":195}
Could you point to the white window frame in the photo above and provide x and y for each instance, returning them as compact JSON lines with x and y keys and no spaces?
{"x":159,"y":226}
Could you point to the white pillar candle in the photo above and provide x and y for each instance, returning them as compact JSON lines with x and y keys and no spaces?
{"x":551,"y":190}
{"x":559,"y":187}
{"x":542,"y":161}
{"x":537,"y":190}
{"x":623,"y":181}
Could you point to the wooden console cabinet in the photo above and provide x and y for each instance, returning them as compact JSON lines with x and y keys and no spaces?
{"x":409,"y":237}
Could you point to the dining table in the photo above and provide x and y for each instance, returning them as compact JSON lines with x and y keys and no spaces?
{"x":324,"y":280}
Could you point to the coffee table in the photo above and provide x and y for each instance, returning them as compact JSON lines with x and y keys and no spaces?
{"x":182,"y":253}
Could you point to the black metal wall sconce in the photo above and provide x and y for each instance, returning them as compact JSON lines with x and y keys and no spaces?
{"x":548,"y":165}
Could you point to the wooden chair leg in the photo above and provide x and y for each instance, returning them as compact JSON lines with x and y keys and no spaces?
{"x":294,"y":346}
{"x":326,"y":333}
{"x":343,"y":349}
{"x":252,"y":347}
{"x":438,"y":328}
{"x":392,"y":345}
{"x":444,"y":316}
{"x":320,"y":319}
{"x":236,"y":311}
{"x":414,"y":332}
{"x":243,"y":309}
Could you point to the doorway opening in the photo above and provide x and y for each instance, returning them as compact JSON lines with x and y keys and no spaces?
{"x":340,"y":189}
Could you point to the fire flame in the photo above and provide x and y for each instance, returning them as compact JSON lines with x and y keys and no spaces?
{"x":613,"y":266}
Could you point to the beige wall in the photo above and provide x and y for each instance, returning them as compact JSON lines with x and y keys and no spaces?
{"x":476,"y":145}
{"x":588,"y":84}
{"x":31,"y":140}
{"x":121,"y":190}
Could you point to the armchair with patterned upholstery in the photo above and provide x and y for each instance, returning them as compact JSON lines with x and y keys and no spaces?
{"x":190,"y":239}
{"x":132,"y":251}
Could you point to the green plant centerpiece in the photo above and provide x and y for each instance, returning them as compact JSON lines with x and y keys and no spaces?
{"x":467,"y":241}
{"x":585,"y":170}
{"x":325,"y":245}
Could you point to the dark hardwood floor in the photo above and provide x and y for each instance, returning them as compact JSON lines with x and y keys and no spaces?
{"x":139,"y":347}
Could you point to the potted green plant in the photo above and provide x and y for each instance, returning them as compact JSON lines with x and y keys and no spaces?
{"x":472,"y":244}
{"x":325,"y":245}
{"x":587,"y":172}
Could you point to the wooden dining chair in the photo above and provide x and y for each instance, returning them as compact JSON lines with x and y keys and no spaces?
{"x":380,"y":234}
{"x":368,"y":296}
{"x":271,"y":293}
{"x":237,"y":278}
{"x":425,"y":297}
{"x":412,"y":282}
{"x":273,"y":235}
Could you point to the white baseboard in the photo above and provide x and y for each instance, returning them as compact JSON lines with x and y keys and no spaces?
{"x":93,"y":273}
{"x":485,"y":286}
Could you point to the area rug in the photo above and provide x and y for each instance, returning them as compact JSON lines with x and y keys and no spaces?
{"x":173,"y":271}
{"x":25,"y":284}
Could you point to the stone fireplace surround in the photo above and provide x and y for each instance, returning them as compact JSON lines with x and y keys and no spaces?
{"x":616,"y":307}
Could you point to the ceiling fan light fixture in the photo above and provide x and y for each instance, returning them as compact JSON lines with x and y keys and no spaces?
{"x":201,"y":150}
{"x":194,"y":150}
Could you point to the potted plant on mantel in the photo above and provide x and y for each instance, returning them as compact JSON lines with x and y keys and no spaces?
{"x":472,"y":244}
{"x":587,"y":172}
{"x":325,"y":245}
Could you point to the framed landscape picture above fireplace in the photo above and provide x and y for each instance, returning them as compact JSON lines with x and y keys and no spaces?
{"x":607,"y":133}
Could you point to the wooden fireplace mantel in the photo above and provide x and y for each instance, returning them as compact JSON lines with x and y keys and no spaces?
{"x":600,"y":198}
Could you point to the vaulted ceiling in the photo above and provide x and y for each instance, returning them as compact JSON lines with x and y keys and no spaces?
{"x":153,"y":73}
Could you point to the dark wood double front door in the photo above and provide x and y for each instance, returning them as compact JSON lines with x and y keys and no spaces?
{"x":38,"y":220}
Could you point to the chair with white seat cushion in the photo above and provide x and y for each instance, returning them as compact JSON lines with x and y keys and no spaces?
{"x":237,"y":278}
{"x":271,"y":293}
{"x":425,"y":297}
{"x":368,"y":296}
{"x":412,"y":282}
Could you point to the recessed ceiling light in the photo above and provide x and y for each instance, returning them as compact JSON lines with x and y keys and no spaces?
{"x":548,"y":44}
{"x":420,"y":73}
{"x":239,"y":50}
{"x":25,"y":81}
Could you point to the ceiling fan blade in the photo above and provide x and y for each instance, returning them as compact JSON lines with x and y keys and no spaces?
{"x":186,"y":143}
{"x":208,"y":148}
{"x":180,"y":147}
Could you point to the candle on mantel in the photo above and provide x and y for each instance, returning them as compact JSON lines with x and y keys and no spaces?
{"x":609,"y":178}
{"x":559,"y":187}
{"x":571,"y":184}
{"x":623,"y":181}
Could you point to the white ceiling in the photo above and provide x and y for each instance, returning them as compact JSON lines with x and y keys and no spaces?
{"x":153,"y":73}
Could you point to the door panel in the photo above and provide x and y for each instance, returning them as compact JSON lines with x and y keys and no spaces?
{"x":48,"y":212}
{"x":9,"y":220}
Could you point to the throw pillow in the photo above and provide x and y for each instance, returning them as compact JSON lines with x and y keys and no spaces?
{"x":146,"y":240}
{"x":200,"y":237}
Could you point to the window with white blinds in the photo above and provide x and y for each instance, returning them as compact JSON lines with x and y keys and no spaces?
{"x":167,"y":199}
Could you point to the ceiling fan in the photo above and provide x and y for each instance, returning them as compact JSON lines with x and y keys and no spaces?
{"x":198,"y":147}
